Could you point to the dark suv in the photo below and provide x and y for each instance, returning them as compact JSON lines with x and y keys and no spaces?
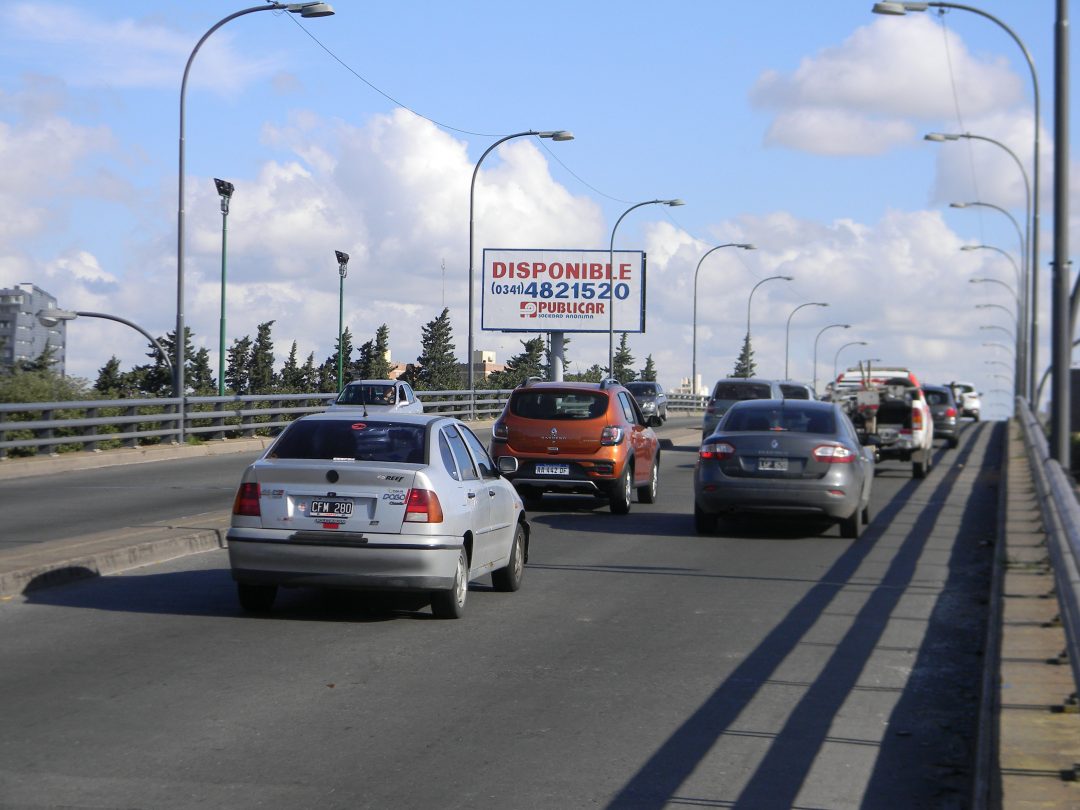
{"x":587,"y":438}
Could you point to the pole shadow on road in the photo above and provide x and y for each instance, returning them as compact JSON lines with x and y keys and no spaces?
{"x":924,"y":758}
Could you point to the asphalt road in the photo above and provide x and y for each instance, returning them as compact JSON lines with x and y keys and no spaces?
{"x":639,"y":666}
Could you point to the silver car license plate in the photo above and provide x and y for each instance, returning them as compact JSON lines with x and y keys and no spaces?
{"x":552,"y":469}
{"x":331,"y":508}
{"x":775,"y":464}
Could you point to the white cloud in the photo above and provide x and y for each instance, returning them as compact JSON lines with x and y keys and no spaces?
{"x":883,"y":72}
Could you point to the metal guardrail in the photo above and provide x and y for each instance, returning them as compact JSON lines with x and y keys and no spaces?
{"x":1061,"y":520}
{"x":89,"y":425}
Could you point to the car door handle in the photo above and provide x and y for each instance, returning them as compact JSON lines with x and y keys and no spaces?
{"x":491,"y":493}
{"x":472,"y":494}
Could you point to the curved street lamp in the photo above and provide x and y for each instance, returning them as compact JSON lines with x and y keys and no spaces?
{"x":1009,"y":349}
{"x":787,"y":331}
{"x":998,"y":306}
{"x":836,"y":356}
{"x":825,"y":329}
{"x":611,"y":277}
{"x":304,"y":10}
{"x":1008,"y":332}
{"x":1005,"y":253}
{"x":1008,"y":287}
{"x":693,"y":329}
{"x":1032,"y":336}
{"x":51,"y":317}
{"x":553,"y":134}
{"x":750,"y":299}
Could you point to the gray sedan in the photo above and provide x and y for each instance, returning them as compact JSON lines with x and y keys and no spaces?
{"x":403,"y":502}
{"x":788,"y":457}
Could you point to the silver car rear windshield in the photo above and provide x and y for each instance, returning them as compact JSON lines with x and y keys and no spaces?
{"x":360,"y":440}
{"x":558,"y":404}
{"x":796,"y":420}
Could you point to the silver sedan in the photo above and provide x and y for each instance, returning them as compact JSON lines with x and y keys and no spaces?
{"x":791,"y":457}
{"x":402,"y":502}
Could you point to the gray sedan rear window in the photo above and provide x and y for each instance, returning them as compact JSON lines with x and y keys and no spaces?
{"x":359,"y":440}
{"x":795,"y":420}
{"x":736,"y":391}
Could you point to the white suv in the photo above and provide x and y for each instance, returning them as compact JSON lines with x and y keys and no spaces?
{"x":968,"y":398}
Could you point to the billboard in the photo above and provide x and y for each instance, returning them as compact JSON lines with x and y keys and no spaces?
{"x":562,"y":290}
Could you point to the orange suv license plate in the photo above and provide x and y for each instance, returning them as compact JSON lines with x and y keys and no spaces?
{"x":552,"y":469}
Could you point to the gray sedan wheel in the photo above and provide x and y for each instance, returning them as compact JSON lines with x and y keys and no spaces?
{"x":450,"y":604}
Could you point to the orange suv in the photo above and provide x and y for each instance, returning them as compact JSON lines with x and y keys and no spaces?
{"x":578,"y":438}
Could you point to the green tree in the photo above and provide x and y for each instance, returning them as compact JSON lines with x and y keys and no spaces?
{"x":310,"y":379}
{"x":237,"y":373}
{"x":436,"y":367}
{"x":43,"y":362}
{"x":42,"y":386}
{"x":649,"y":372}
{"x":380,"y":356}
{"x":261,"y":376}
{"x":201,"y":378}
{"x":292,"y":376}
{"x":361,"y":369}
{"x":110,"y":380}
{"x":745,"y":366}
{"x":520,"y":367}
{"x":158,"y":379}
{"x":594,"y":373}
{"x":624,"y":362}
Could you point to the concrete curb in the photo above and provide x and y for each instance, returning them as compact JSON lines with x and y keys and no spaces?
{"x":62,"y":561}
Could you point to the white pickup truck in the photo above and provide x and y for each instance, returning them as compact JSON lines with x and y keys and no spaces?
{"x":890,"y":411}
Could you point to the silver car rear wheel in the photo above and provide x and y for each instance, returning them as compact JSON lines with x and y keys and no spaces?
{"x":450,"y":604}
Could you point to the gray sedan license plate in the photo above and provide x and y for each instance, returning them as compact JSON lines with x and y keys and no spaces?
{"x":552,"y":469}
{"x":776,"y":464}
{"x":331,"y":508}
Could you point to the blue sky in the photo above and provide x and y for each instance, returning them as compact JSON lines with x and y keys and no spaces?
{"x":794,"y":126}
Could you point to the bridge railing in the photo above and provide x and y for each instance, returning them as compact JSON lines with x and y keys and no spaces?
{"x":1061,"y":520}
{"x":45,"y":428}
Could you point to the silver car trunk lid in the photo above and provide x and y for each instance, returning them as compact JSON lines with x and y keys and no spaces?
{"x":774,"y":454}
{"x":321,"y":495}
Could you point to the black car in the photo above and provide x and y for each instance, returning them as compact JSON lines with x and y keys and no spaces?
{"x":944,"y":410}
{"x":652,"y":399}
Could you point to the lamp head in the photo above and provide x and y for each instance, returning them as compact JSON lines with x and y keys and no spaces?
{"x":343,"y":262}
{"x":224,"y":188}
{"x":557,"y":134}
{"x":673,"y":203}
{"x":959,"y":205}
{"x":310,"y":9}
{"x":820,"y":304}
{"x":787,"y":278}
{"x":746,"y":246}
{"x":970,"y":247}
{"x":51,"y":317}
{"x":898,"y":9}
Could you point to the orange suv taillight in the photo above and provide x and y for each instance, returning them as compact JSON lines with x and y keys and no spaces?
{"x":611,"y":435}
{"x":500,"y":431}
{"x":422,"y":506}
{"x":246,"y":502}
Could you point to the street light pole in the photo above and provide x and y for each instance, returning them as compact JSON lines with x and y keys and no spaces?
{"x":225,"y":189}
{"x":750,"y":299}
{"x":693,"y":331}
{"x":820,"y":332}
{"x":1022,"y":310}
{"x":1005,"y":253}
{"x":555,"y":135}
{"x":787,"y":331}
{"x":611,"y":277}
{"x":51,"y":317}
{"x":304,"y":10}
{"x":836,"y":357}
{"x":343,"y":270}
{"x":901,"y":8}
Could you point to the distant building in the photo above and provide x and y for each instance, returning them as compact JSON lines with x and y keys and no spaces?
{"x":22,"y":337}
{"x":483,"y":364}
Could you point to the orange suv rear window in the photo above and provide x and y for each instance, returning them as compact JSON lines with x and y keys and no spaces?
{"x":550,"y":404}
